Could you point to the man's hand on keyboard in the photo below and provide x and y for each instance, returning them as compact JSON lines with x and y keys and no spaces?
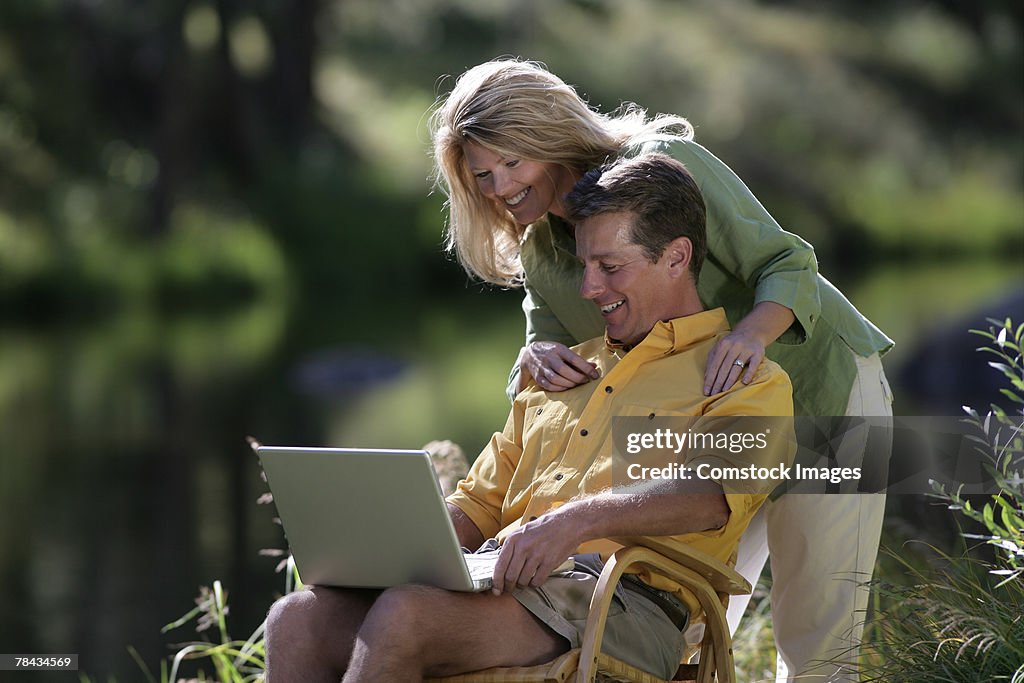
{"x":533,"y":551}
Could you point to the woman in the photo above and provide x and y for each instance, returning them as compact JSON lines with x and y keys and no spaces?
{"x":510,"y":140}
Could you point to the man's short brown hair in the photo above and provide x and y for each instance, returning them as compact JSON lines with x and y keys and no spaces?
{"x":658,"y":190}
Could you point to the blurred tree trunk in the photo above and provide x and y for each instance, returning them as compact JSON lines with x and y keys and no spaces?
{"x":295,"y":43}
{"x":232,"y":118}
{"x":175,"y":123}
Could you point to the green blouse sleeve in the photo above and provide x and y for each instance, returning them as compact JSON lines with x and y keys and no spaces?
{"x":747,"y":245}
{"x":541,"y":321}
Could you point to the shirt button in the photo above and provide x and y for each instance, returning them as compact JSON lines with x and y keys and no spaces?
{"x":558,"y":477}
{"x":583,"y":432}
{"x":608,"y":390}
{"x":540,"y":410}
{"x":651,"y":416}
{"x":534,"y":518}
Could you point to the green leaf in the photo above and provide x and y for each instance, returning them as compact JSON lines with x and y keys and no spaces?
{"x":988,"y":514}
{"x":141,"y":664}
{"x":183,"y":620}
{"x":1011,"y":395}
{"x":1001,"y":367}
{"x":1009,"y":514}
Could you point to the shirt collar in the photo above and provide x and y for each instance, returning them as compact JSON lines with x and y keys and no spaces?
{"x":678,"y":334}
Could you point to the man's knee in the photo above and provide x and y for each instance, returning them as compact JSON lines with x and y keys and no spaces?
{"x":406,"y":614}
{"x":292,"y":619}
{"x":304,"y":618}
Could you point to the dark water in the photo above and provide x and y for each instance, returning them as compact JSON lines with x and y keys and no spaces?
{"x":126,"y":484}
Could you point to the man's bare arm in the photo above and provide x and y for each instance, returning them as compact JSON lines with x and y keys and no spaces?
{"x":530,"y":553}
{"x":646,"y":513}
{"x":466,"y":529}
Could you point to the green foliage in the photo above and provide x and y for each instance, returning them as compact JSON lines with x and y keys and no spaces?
{"x":233,"y":661}
{"x":323,"y":138}
{"x":1000,"y":438}
{"x":960,"y":618}
{"x":206,"y":259}
{"x":952,"y":623}
{"x":212,"y":256}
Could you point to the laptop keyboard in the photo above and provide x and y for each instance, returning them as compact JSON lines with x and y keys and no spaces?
{"x":481,"y":565}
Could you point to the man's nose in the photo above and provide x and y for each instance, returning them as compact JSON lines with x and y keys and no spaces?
{"x":590,"y":287}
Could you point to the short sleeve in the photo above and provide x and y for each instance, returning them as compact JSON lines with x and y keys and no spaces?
{"x":754,"y":425}
{"x":481,"y":495}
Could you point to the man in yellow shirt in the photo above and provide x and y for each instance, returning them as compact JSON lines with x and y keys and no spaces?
{"x":550,"y":486}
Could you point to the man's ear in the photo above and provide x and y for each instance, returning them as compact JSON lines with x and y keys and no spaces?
{"x":679,"y":252}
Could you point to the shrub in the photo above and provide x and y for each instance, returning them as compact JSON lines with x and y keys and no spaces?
{"x":960,"y":618}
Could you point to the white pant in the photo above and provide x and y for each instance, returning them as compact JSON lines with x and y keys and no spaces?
{"x":822,"y":547}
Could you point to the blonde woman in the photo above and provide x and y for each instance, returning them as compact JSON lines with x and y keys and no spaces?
{"x":510,"y":141}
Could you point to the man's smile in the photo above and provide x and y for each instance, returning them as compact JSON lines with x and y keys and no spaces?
{"x":608,"y":308}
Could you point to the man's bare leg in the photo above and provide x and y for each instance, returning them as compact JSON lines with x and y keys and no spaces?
{"x":310,"y":633}
{"x":413,"y":631}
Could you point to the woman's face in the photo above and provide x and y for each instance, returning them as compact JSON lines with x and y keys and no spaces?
{"x":526,"y":189}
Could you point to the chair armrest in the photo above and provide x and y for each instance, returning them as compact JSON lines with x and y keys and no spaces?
{"x":706,"y":577}
{"x":723,"y":578}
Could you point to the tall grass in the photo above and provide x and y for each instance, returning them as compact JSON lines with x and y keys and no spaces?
{"x":232,"y":660}
{"x":959,"y":618}
{"x":955,"y":622}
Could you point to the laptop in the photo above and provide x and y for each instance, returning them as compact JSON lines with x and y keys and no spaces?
{"x":369,"y":518}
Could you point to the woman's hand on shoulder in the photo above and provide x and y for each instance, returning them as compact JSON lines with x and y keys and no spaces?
{"x":555,"y":367}
{"x":737,"y":353}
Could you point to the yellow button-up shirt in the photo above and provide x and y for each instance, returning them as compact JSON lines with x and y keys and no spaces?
{"x":557,"y":446}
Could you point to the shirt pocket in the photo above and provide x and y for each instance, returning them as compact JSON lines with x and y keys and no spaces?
{"x":546,"y":422}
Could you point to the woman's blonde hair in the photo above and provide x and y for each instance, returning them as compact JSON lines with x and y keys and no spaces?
{"x":520,"y":110}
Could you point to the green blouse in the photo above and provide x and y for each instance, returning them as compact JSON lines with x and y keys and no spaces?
{"x":750,"y":259}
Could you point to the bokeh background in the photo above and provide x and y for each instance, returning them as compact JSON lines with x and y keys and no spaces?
{"x":216,"y":220}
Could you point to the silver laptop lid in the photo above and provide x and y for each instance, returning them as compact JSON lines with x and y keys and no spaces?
{"x":369,"y":518}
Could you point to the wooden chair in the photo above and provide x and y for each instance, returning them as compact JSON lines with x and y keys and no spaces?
{"x":708,"y":579}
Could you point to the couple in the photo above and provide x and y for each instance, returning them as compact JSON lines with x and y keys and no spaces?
{"x":511,"y":140}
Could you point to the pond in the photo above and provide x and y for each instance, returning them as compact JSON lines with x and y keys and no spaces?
{"x":126,"y":482}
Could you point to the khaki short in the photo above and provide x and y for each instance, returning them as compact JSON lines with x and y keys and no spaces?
{"x":638,"y":631}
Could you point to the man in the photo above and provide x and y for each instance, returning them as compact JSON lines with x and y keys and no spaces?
{"x":545,"y":486}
